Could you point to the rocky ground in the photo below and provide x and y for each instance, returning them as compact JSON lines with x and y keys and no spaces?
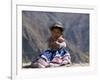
{"x":28,"y":65}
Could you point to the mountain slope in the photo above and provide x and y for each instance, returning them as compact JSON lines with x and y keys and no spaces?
{"x":35,"y":33}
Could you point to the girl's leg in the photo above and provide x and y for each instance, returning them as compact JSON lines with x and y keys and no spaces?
{"x":57,"y":58}
{"x":66,"y":59}
{"x":44,"y":59}
{"x":42,"y":63}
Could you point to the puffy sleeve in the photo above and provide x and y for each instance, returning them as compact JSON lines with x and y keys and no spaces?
{"x":61,"y":42}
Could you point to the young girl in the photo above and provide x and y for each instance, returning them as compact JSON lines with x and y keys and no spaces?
{"x":57,"y":52}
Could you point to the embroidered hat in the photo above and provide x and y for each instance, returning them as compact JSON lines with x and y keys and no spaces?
{"x":57,"y":25}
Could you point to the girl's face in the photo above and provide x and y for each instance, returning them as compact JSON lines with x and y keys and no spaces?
{"x":56,"y":33}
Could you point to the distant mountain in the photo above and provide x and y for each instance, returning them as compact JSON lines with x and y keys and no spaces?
{"x":35,"y":31}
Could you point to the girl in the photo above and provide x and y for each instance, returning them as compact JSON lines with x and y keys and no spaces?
{"x":57,"y":52}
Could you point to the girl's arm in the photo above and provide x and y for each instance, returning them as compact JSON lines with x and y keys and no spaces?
{"x":53,"y":45}
{"x":61,"y":42}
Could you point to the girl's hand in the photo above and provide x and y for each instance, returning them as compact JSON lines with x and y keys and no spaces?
{"x":60,"y":40}
{"x":54,"y":45}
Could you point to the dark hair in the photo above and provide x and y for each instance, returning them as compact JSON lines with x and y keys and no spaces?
{"x":54,"y":27}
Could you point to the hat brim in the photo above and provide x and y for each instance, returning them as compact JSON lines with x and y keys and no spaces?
{"x":56,"y":27}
